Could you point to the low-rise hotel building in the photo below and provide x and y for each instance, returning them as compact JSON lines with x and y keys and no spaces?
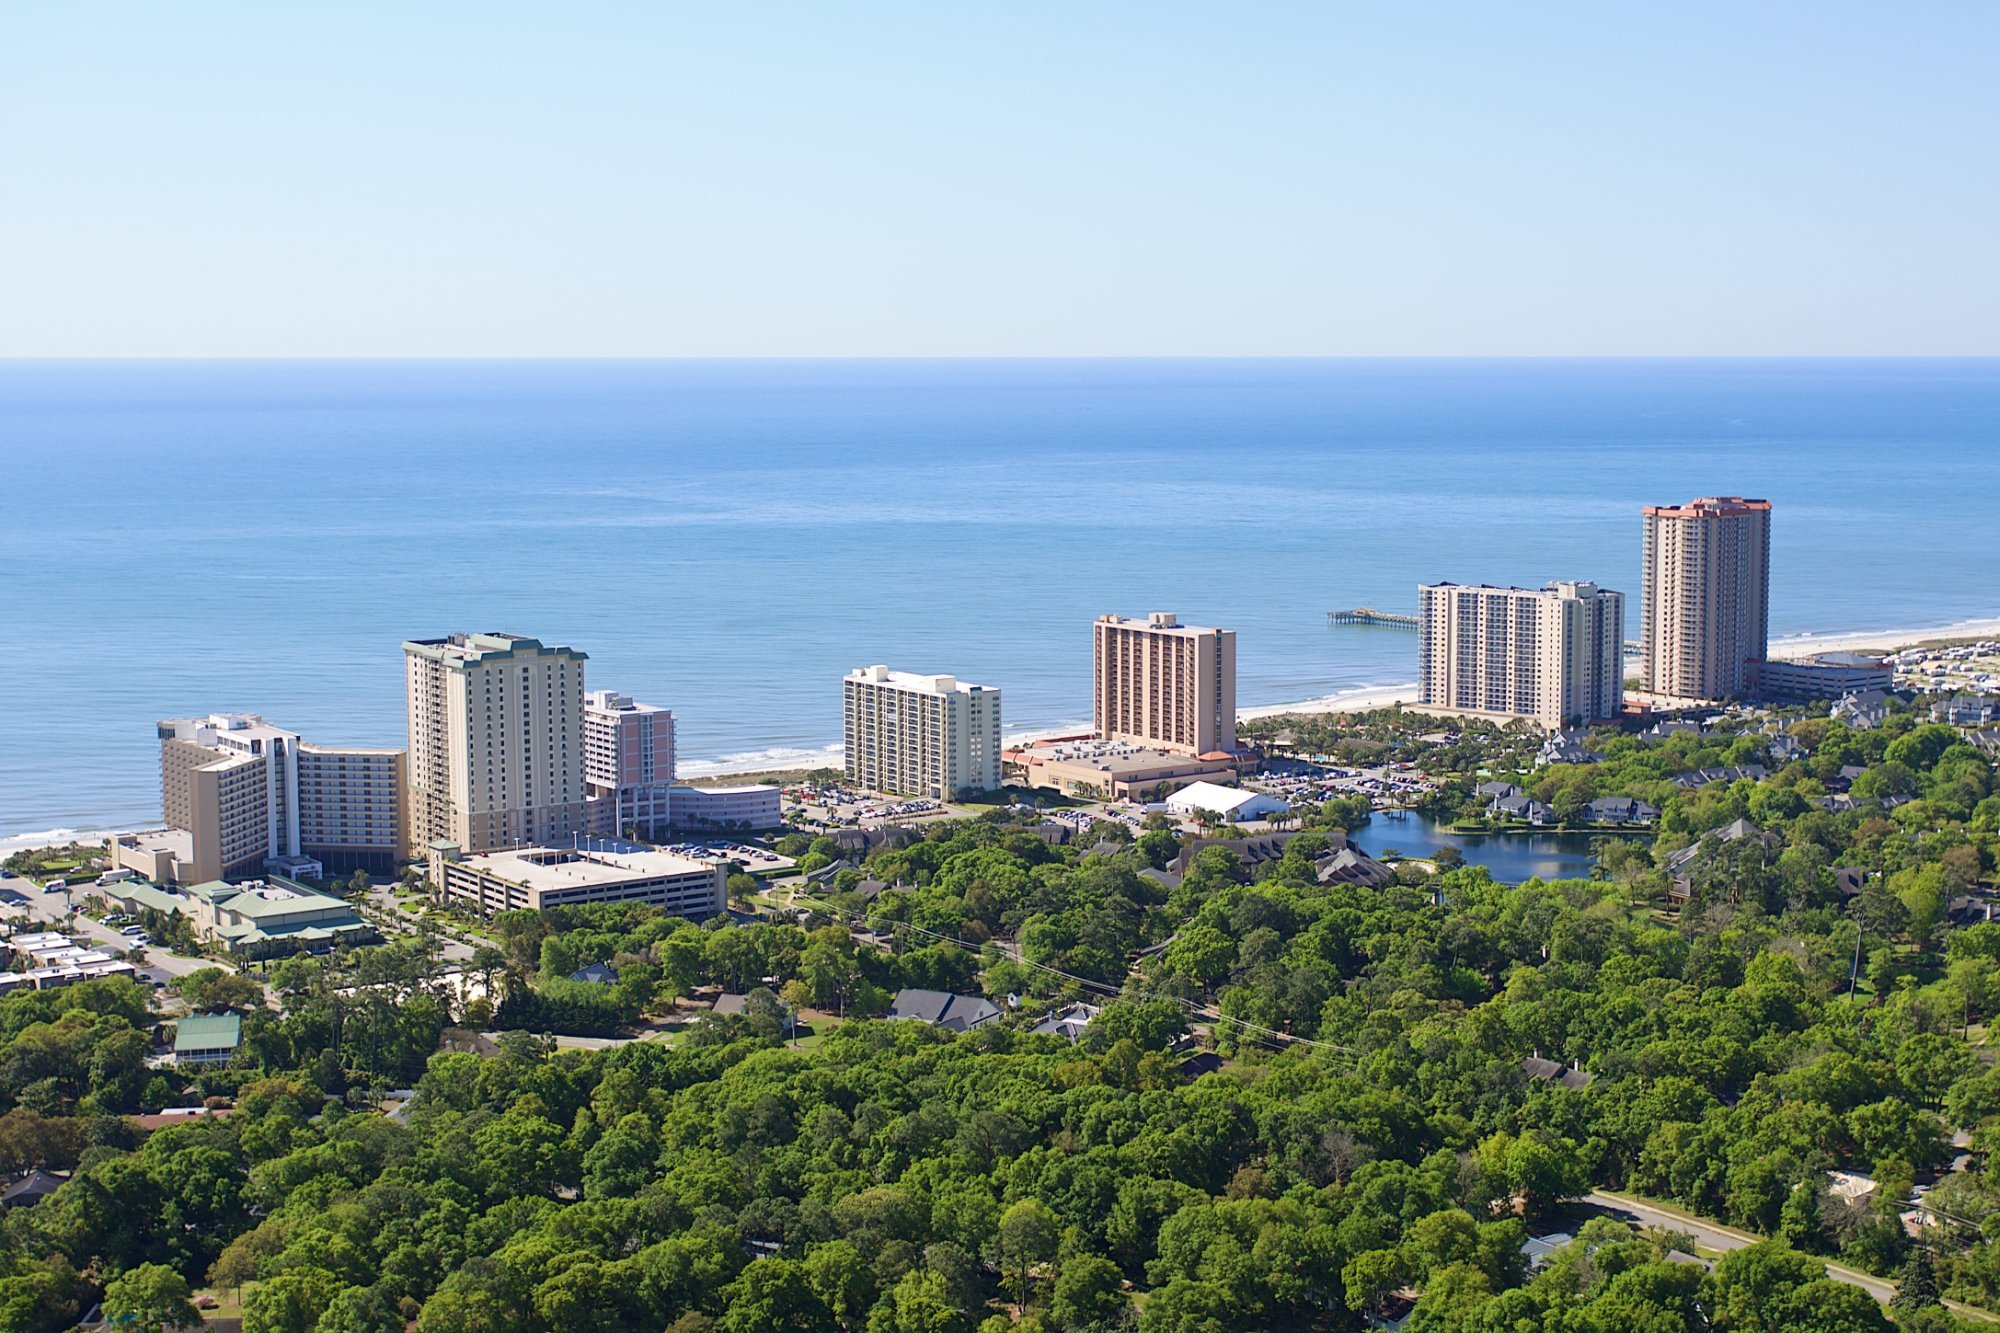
{"x":601,"y":871}
{"x":1111,"y":770}
{"x":253,"y":919}
{"x":913,"y":735}
{"x":744,"y":807}
{"x":1553,"y":654}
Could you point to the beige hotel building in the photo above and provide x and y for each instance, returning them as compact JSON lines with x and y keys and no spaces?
{"x":1707,"y":585}
{"x":1553,"y":654}
{"x":915,"y":735}
{"x":242,"y":797}
{"x":1159,"y":682}
{"x":496,"y":742}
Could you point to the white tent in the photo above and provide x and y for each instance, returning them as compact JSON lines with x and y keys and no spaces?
{"x":1231,"y":803}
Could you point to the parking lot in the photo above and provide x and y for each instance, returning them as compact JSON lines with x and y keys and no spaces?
{"x":50,"y":911}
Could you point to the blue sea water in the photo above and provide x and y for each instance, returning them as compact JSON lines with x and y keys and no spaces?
{"x":729,"y":538}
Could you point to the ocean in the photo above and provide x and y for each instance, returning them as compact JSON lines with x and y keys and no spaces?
{"x":730,"y":538}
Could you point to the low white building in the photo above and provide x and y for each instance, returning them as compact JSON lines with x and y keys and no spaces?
{"x":751,"y":806}
{"x":605,"y":870}
{"x":1233,"y":804}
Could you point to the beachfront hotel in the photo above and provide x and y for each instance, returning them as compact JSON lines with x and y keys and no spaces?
{"x":1553,"y":654}
{"x":240,"y":796}
{"x":1159,"y":682}
{"x":914,"y":735}
{"x":1705,"y":617}
{"x":496,"y":742}
{"x":628,"y":763}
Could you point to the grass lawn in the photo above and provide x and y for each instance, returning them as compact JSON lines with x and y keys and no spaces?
{"x":227,"y":1305}
{"x":814,"y":1031}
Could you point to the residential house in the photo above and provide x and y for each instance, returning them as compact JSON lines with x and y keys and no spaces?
{"x":1572,"y":1076}
{"x":1862,"y":711}
{"x":207,"y":1039}
{"x":953,"y":1013}
{"x":1620,"y":810}
{"x":1565,"y":747}
{"x":1968,"y":710}
{"x":1350,"y":865}
{"x":1069,"y":1021}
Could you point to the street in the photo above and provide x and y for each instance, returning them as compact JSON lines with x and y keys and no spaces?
{"x":46,"y":911}
{"x":1715,"y":1236}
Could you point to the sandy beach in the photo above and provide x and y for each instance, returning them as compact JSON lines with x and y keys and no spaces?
{"x":1881,"y":641}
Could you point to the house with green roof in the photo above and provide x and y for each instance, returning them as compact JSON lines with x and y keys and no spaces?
{"x":208,"y":1039}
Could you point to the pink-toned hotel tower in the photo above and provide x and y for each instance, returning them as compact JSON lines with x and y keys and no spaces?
{"x":1706,"y":596}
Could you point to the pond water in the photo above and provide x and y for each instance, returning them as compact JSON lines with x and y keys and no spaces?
{"x":1510,"y":857}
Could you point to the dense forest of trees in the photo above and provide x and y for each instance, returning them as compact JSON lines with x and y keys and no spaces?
{"x":1372,"y":1132}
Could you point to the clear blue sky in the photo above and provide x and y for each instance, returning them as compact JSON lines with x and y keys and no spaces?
{"x":860,"y":179}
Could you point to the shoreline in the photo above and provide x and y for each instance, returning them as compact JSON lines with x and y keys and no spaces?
{"x":1357,"y":700}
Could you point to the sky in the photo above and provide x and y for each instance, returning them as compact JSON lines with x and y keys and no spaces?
{"x":1164,"y":178}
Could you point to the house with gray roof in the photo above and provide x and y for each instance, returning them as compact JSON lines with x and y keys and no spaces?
{"x":1068,"y":1022}
{"x":953,"y":1013}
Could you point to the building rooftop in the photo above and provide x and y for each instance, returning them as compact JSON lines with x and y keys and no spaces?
{"x":460,"y":650}
{"x":914,"y":681}
{"x":1160,"y":622}
{"x":242,"y":729}
{"x":604,"y":861}
{"x":1710,"y":506}
{"x":609,"y":701}
{"x":175,"y":842}
{"x":1222,"y":800}
{"x":257,"y":899}
{"x":1113,"y":757}
{"x":208,"y":1032}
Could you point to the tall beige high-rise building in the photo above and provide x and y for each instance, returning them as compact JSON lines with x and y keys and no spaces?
{"x":1159,"y":682}
{"x":1707,"y":596}
{"x":1554,"y":654}
{"x":917,"y":735}
{"x":496,"y":742}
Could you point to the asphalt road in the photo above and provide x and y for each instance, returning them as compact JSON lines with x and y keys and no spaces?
{"x":1715,"y":1236}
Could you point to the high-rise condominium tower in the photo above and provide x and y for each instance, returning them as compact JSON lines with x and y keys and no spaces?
{"x":1707,"y":595}
{"x":1555,"y":654}
{"x":916,"y":735}
{"x":628,"y":763}
{"x":496,"y":741}
{"x":1159,"y":682}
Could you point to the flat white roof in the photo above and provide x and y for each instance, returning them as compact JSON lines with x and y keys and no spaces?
{"x":1212,"y":796}
{"x":915,"y":681}
{"x":573,"y":868}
